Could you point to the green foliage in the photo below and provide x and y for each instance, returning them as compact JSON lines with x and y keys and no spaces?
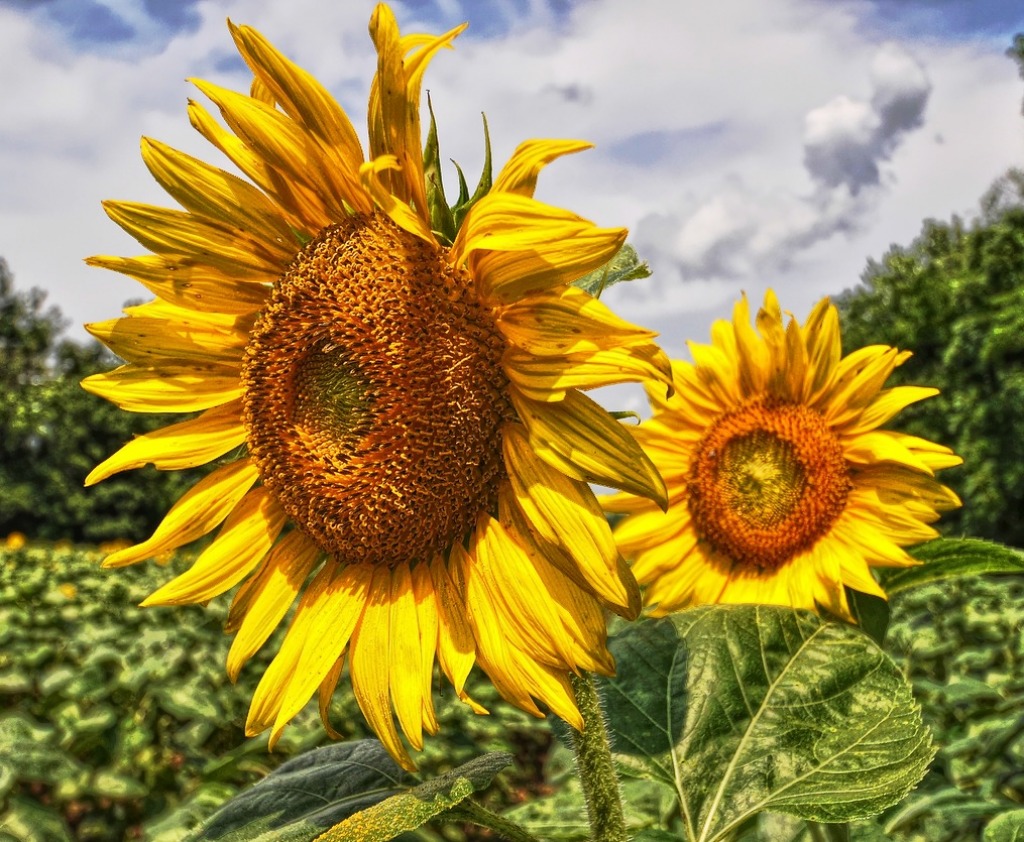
{"x":52,"y":433}
{"x":117,"y":721}
{"x":111,"y":715}
{"x":27,"y":332}
{"x":961,"y":643}
{"x":955,"y":297}
{"x":1008,"y":827}
{"x":410,"y":810}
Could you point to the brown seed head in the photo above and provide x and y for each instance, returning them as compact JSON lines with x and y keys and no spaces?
{"x":768,"y":481}
{"x":375,"y":395}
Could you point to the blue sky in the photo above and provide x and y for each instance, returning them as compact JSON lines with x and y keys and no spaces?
{"x":745,"y":143}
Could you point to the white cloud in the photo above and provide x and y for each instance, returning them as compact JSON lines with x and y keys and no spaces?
{"x":745,"y":143}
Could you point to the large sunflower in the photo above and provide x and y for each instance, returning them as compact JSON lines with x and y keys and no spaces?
{"x":400,"y":439}
{"x":782,"y":487}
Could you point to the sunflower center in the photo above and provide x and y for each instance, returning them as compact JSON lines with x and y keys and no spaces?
{"x":768,"y":481}
{"x":374,"y":395}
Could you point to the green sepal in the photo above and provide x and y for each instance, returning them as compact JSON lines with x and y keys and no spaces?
{"x":483,"y":186}
{"x":441,"y":219}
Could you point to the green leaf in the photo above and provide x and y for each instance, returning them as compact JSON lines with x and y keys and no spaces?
{"x":626,"y":265}
{"x":946,"y":558}
{"x":412,"y":809}
{"x":871,"y":613}
{"x":778,"y":710}
{"x":1007,"y":827}
{"x":647,"y":699}
{"x":118,"y":787}
{"x":307,"y":795}
{"x":26,"y":820}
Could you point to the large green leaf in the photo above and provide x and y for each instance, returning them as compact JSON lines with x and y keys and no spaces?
{"x":946,"y":558}
{"x":354,"y":790}
{"x":775,"y":710}
{"x":307,"y":795}
{"x":412,"y":809}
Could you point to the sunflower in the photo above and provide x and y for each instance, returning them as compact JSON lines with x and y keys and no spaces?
{"x":402,"y":448}
{"x":782,"y":487}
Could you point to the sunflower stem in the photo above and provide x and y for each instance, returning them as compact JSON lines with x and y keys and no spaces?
{"x":596,"y":768}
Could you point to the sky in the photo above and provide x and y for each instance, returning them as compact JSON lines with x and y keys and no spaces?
{"x":746,"y":144}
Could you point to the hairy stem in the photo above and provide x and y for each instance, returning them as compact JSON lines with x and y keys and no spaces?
{"x":594,"y":763}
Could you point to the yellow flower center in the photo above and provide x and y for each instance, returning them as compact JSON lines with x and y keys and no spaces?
{"x":769,"y":479}
{"x":375,"y":395}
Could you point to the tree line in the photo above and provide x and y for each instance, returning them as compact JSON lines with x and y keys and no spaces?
{"x":53,"y":432}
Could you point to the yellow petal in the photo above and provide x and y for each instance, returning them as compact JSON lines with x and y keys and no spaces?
{"x":394,"y":106}
{"x":264,"y":599}
{"x":273,"y":687}
{"x":518,"y":677}
{"x":188,"y":284}
{"x":399,"y":211}
{"x":884,"y":446}
{"x":246,"y":537}
{"x":550,"y":378}
{"x":183,"y":445}
{"x":151,"y":341}
{"x":286,"y":147}
{"x":203,"y":508}
{"x":172,"y":232}
{"x":509,"y":582}
{"x":331,"y":623}
{"x":370,"y":668}
{"x":580,"y":614}
{"x":566,"y":514}
{"x":860,"y":383}
{"x":456,"y":650}
{"x":519,"y":175}
{"x":391,"y":115}
{"x":325,"y":695}
{"x":300,"y":95}
{"x":428,"y":623}
{"x":303,"y":206}
{"x":824,"y":346}
{"x":217,"y":195}
{"x":608,"y":589}
{"x":404,"y":658}
{"x":166,"y":388}
{"x":886,"y":404}
{"x":584,"y":442}
{"x":565,"y":321}
{"x":515,"y":245}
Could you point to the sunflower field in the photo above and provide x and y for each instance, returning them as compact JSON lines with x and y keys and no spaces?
{"x":119,"y":723}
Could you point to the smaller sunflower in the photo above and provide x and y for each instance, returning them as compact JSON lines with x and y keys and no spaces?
{"x":782,"y":487}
